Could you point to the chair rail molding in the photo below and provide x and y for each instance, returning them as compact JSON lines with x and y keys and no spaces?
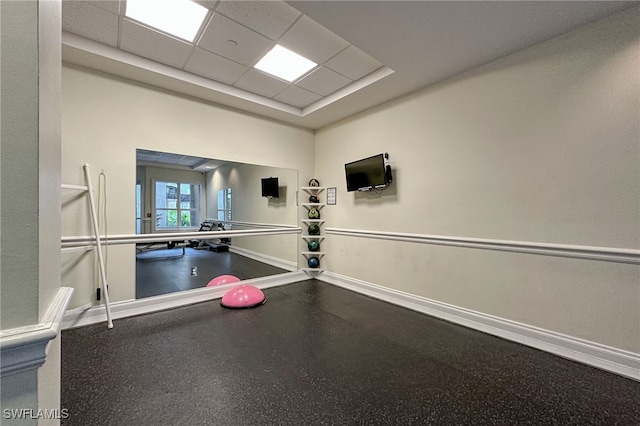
{"x":607,"y":254}
{"x":25,"y":348}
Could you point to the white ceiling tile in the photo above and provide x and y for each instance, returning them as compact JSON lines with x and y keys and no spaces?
{"x":269,"y":18}
{"x":297,"y":97}
{"x":313,"y":41}
{"x":353,"y":63}
{"x":154,"y":45}
{"x":84,"y":19}
{"x":215,"y":67}
{"x":323,"y":81}
{"x":260,"y":83}
{"x":234,"y":41}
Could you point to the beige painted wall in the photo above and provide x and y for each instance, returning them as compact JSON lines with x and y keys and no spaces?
{"x":543,"y":146}
{"x":105,"y":119}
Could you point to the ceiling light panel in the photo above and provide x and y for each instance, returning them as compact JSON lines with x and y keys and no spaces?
{"x":285,"y":64}
{"x":180,"y":18}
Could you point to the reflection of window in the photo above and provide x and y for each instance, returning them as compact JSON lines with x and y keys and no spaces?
{"x":177,"y":205}
{"x":224,"y":206}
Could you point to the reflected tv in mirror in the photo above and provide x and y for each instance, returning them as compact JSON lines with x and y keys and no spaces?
{"x":368,"y":174}
{"x":270,"y":188}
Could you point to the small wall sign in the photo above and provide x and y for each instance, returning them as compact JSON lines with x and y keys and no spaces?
{"x":331,"y":196}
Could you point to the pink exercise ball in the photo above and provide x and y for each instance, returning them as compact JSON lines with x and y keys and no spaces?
{"x":223,"y":279}
{"x":243,"y":296}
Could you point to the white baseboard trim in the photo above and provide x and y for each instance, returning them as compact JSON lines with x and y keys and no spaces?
{"x":269,"y":260}
{"x":607,"y":358}
{"x":128,"y":308}
{"x":25,"y":348}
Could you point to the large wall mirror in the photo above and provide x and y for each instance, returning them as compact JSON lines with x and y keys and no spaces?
{"x":181,"y":193}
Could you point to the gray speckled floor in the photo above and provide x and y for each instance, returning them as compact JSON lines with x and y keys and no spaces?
{"x":316,"y":354}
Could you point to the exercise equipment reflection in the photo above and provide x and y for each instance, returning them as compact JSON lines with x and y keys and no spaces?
{"x":223,"y":279}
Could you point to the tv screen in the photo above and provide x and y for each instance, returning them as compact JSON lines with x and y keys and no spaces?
{"x":270,"y":187}
{"x":367,"y":173}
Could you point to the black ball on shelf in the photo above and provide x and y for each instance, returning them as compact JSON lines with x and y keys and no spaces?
{"x":314,"y":229}
{"x":313,"y":245}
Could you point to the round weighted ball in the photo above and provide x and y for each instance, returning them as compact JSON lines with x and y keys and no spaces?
{"x":314,"y":182}
{"x":314,"y":199}
{"x":313,"y":245}
{"x":314,"y":213}
{"x":314,"y":229}
{"x":313,"y":262}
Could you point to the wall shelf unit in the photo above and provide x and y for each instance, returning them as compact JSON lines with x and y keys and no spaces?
{"x":314,"y":191}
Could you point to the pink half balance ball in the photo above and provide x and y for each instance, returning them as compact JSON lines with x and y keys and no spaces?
{"x":223,"y":279}
{"x":243,"y":296}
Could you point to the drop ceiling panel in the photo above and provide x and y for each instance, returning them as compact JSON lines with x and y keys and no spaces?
{"x":297,"y":97}
{"x":227,"y":38}
{"x":95,"y":23}
{"x":260,"y":83}
{"x":353,"y":63}
{"x":215,"y":67}
{"x":312,"y":41}
{"x":154,"y":45}
{"x":269,"y":18}
{"x":323,"y":81}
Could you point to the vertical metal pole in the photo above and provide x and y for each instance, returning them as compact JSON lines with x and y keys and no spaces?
{"x":96,"y":230}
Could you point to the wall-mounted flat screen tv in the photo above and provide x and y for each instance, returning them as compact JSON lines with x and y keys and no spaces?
{"x":368,"y":174}
{"x":270,"y":188}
